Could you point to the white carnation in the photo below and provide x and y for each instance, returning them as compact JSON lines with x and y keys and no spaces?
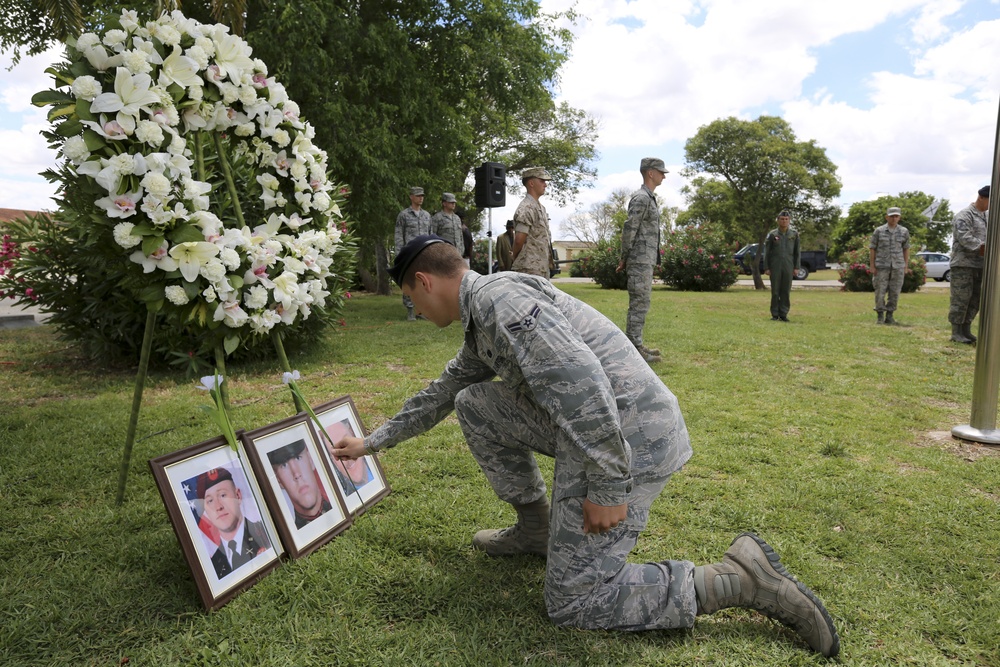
{"x":209,"y":294}
{"x":256,"y":297}
{"x":245,"y":129}
{"x":75,"y":149}
{"x":122,"y":164}
{"x":197,"y":54}
{"x":86,"y":41}
{"x":114,"y":37}
{"x":149,"y":132}
{"x":156,"y":184}
{"x":176,"y":295}
{"x":135,"y":61}
{"x":124,"y":237}
{"x":230,"y":258}
{"x":206,"y":45}
{"x":86,"y":87}
{"x":214,"y":270}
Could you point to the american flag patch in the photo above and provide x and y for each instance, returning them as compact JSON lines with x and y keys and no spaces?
{"x":526,"y":323}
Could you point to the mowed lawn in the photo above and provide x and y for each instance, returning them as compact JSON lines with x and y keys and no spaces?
{"x":828,"y":435}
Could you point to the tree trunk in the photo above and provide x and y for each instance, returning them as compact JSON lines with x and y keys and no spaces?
{"x":377,"y":283}
{"x":758,"y":281}
{"x":381,"y":264}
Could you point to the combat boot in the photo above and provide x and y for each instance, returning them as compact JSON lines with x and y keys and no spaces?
{"x":649,"y":350}
{"x":889,"y":319}
{"x":967,"y":332}
{"x":958,"y":336}
{"x":530,"y":535}
{"x":751,"y":576}
{"x":881,"y":317}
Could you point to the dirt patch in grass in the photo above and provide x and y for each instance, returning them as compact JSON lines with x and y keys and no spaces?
{"x":967,"y":451}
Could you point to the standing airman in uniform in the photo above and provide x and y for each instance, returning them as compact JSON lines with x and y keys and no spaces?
{"x":571,"y":387}
{"x":781,"y":261}
{"x":967,"y":249}
{"x":447,"y":225}
{"x":889,"y":255}
{"x":412,"y":222}
{"x":641,"y":251}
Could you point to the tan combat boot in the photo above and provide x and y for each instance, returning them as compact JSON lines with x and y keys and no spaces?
{"x":751,"y":576}
{"x":530,"y":535}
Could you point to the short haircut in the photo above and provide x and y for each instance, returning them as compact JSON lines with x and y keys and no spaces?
{"x":439,"y":259}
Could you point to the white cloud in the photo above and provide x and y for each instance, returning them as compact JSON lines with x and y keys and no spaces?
{"x":929,"y":25}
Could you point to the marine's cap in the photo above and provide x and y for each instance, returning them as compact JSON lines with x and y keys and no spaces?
{"x":417,"y":191}
{"x":893,"y":210}
{"x":984,"y":191}
{"x":207,"y":480}
{"x":289,"y":451}
{"x":448,"y":197}
{"x":653,"y":163}
{"x":785,"y":214}
{"x":409,"y":253}
{"x":536,"y":172}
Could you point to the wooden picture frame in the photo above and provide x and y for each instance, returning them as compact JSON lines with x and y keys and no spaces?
{"x":364,"y":483}
{"x":307,"y":506}
{"x":211,"y":494}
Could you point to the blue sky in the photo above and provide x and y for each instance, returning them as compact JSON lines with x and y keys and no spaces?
{"x":903,"y":94}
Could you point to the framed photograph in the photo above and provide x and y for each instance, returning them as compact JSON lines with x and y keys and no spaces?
{"x":306,"y":504}
{"x":362,"y":481}
{"x":219,"y":516}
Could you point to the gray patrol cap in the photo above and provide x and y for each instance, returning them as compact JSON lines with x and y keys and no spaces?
{"x":417,"y":191}
{"x":653,"y":163}
{"x":894,"y":210}
{"x":448,"y":197}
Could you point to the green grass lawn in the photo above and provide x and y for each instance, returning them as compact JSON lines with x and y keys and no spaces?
{"x":828,"y":435}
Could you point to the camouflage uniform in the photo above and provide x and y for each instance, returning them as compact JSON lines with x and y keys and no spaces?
{"x":536,"y":253}
{"x":640,"y":253}
{"x":889,"y":244}
{"x":572,"y":388}
{"x":449,"y":227}
{"x":966,"y":265}
{"x":409,"y":225}
{"x":781,"y":258}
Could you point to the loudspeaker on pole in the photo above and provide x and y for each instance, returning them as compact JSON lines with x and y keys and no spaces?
{"x":491,"y":185}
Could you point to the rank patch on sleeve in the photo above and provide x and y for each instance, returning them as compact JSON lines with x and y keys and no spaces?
{"x":526,"y":323}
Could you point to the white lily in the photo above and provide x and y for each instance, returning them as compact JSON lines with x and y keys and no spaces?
{"x":131,"y":93}
{"x":120,"y":206}
{"x":180,"y":69}
{"x":287,"y":377}
{"x":210,"y":382}
{"x":285,"y":288}
{"x":191,"y":256}
{"x":232,"y":55}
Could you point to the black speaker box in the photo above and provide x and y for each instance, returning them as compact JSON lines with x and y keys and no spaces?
{"x":491,"y":185}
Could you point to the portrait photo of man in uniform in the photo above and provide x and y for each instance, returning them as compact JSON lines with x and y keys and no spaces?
{"x":296,"y":473}
{"x":236,"y":540}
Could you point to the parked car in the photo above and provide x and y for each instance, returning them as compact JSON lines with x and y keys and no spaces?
{"x":938,"y":265}
{"x":809,"y":261}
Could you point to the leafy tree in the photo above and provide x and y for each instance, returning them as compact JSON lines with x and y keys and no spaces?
{"x":759,"y":168}
{"x":604,"y":220}
{"x":864,"y":216}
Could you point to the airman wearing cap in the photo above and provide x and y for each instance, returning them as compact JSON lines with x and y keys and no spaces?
{"x":641,"y":252}
{"x":967,"y":249}
{"x":781,"y":261}
{"x":447,"y":224}
{"x":889,"y":257}
{"x":411,"y":222}
{"x":532,"y":251}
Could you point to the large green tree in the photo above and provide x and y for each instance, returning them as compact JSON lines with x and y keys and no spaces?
{"x":747,"y":171}
{"x":864,"y":216}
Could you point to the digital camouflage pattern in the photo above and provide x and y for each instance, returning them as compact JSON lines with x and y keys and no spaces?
{"x":409,"y":225}
{"x":890,"y":260}
{"x":640,"y":253}
{"x":966,"y":287}
{"x":449,"y":227}
{"x":968,"y":234}
{"x":570,"y":387}
{"x":536,"y":254}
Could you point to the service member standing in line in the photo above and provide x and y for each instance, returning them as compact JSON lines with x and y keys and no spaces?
{"x":572,"y":388}
{"x":412,"y":222}
{"x":781,"y":260}
{"x":889,"y":257}
{"x":967,"y":249}
{"x":532,"y":239}
{"x":641,"y":251}
{"x":447,"y":225}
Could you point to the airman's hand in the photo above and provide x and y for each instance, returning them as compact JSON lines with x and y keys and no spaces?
{"x":348,"y":447}
{"x":601,"y":519}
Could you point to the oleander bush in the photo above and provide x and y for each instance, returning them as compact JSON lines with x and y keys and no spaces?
{"x":856,"y":275}
{"x":697,"y":259}
{"x":602,"y":263}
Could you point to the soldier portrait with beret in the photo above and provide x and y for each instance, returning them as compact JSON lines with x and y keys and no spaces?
{"x":222,"y":502}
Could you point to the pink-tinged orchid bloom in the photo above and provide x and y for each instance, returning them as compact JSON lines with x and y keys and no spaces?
{"x":158,"y":259}
{"x":120,"y":206}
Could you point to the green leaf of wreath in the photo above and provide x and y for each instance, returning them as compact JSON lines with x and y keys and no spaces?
{"x":47,"y":97}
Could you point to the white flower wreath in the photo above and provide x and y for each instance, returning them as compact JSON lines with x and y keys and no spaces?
{"x":143,"y":103}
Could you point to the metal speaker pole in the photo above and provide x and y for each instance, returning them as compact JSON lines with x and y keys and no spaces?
{"x":489,"y":242}
{"x":986,"y":383}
